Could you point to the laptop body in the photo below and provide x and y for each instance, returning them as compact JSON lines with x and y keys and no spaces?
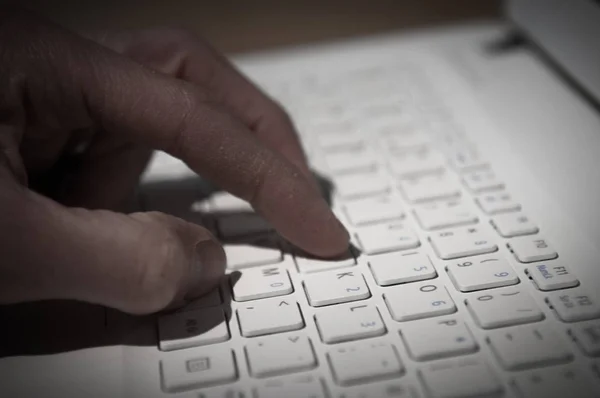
{"x":532,"y":119}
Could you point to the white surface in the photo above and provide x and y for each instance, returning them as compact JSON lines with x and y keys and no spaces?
{"x":418,"y":300}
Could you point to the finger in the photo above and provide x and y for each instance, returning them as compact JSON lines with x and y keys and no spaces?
{"x":161,"y":112}
{"x":183,"y":55}
{"x":138,"y":264}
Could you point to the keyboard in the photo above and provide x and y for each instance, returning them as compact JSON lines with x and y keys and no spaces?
{"x":452,"y":289}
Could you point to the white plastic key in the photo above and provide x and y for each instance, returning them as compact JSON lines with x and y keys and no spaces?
{"x":349,"y":323}
{"x":340,"y":140}
{"x":260,"y":251}
{"x":587,"y":336}
{"x":574,"y":305}
{"x":384,"y":238}
{"x":280,"y":354}
{"x":335,"y":287}
{"x":461,"y":378}
{"x":401,"y":267}
{"x":263,"y":282}
{"x":463,"y":242}
{"x":400,"y":143}
{"x":408,"y":163}
{"x":528,"y":249}
{"x":364,"y":362}
{"x":528,"y":346}
{"x":374,"y":210}
{"x":361,"y":185}
{"x":307,"y":264}
{"x":350,"y":161}
{"x":390,"y":389}
{"x":192,"y":329}
{"x":481,"y":272}
{"x":465,"y":158}
{"x":429,"y":187}
{"x":435,"y":339}
{"x":497,"y":202}
{"x":503,"y":307}
{"x":555,"y":382}
{"x":552,"y":275}
{"x":188,"y":370}
{"x":273,"y":316}
{"x":514,"y":224}
{"x":418,"y":300}
{"x":482,"y":180}
{"x":444,"y":215}
{"x":301,"y":386}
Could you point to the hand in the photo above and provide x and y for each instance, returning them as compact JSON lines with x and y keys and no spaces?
{"x":78,"y":120}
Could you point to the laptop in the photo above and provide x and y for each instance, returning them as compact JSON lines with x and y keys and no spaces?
{"x":464,"y":160}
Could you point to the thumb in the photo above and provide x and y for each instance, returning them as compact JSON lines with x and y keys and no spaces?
{"x":138,"y":263}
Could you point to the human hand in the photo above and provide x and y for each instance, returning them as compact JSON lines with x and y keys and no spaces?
{"x":78,"y":121}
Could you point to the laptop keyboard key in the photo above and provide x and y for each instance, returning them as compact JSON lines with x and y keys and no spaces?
{"x":192,"y":329}
{"x":280,"y":354}
{"x":385,"y":238}
{"x":514,"y":224}
{"x":365,"y":362}
{"x":274,"y":316}
{"x":263,"y":282}
{"x":188,"y":370}
{"x":429,"y":187}
{"x":503,"y":307}
{"x":555,"y":382}
{"x":361,"y":185}
{"x":497,"y":202}
{"x":481,"y":272}
{"x":528,"y":347}
{"x":481,"y":181}
{"x":552,"y":275}
{"x":531,"y":248}
{"x":418,"y":300}
{"x":350,"y":323}
{"x":401,"y":267}
{"x":435,"y":339}
{"x":587,"y":336}
{"x":574,"y":305}
{"x":374,"y":210}
{"x":461,"y":243}
{"x":464,"y":378}
{"x":304,"y":386}
{"x":335,"y":287}
{"x":444,"y":215}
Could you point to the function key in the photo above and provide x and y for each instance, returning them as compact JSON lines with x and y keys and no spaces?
{"x":552,"y":275}
{"x":531,"y":249}
{"x":574,"y":305}
{"x":513,"y":224}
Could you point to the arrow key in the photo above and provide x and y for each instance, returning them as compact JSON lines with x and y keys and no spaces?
{"x":269,"y":316}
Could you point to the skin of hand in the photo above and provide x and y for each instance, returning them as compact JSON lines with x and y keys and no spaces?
{"x":78,"y":121}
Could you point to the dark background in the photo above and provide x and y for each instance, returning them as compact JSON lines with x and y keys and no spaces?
{"x":235,"y":26}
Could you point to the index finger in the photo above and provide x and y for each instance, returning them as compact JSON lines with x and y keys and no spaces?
{"x":175,"y":116}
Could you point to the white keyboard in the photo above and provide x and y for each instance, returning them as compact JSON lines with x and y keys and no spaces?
{"x":454,"y":291}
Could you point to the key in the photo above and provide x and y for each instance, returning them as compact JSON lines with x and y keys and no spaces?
{"x":482,"y":180}
{"x":407,"y":164}
{"x":556,"y":382}
{"x":503,"y":307}
{"x":527,"y":347}
{"x":551,"y":275}
{"x":435,"y":339}
{"x":335,"y":287}
{"x":458,"y":243}
{"x":395,"y":268}
{"x":301,"y":386}
{"x":574,"y":305}
{"x":263,"y":282}
{"x":350,"y":161}
{"x":497,"y":202}
{"x":444,"y":215}
{"x":384,"y":238}
{"x":374,"y":210}
{"x":192,"y":329}
{"x":462,"y":378}
{"x":465,"y":159}
{"x":280,"y":354}
{"x":349,"y":323}
{"x":587,"y":337}
{"x":531,"y":248}
{"x":188,"y":370}
{"x":398,"y":144}
{"x":428,"y":188}
{"x":274,"y":316}
{"x":365,"y":362}
{"x":223,"y":202}
{"x":222,"y":392}
{"x":418,"y":300}
{"x":482,"y":272}
{"x":361,"y":185}
{"x":259,"y":251}
{"x":307,"y":265}
{"x":383,"y":390}
{"x":513,"y":224}
{"x":242,"y":224}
